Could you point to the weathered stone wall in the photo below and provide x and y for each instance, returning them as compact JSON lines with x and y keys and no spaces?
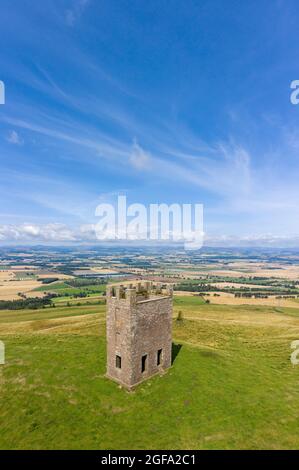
{"x":151,"y":331}
{"x":136,"y":328}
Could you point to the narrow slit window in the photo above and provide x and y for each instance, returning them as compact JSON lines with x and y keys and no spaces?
{"x":143,"y":363}
{"x":118,"y":362}
{"x":159,"y":356}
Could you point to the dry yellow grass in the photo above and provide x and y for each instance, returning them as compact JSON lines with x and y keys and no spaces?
{"x":184,"y":293}
{"x":245,"y":318}
{"x":224,"y":298}
{"x":58,"y":275}
{"x":34,"y":294}
{"x":9,"y":289}
{"x":22,"y":267}
{"x":236,"y":285}
{"x":80,"y":324}
{"x":244,"y":269}
{"x":6,"y":276}
{"x":291,"y":273}
{"x":99,"y":270}
{"x":89,"y":323}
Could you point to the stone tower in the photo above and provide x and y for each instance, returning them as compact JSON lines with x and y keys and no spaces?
{"x":139,"y":321}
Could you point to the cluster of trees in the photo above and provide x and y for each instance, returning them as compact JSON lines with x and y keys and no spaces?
{"x":48,"y":280}
{"x":98,"y":302}
{"x":287,"y":297}
{"x":33,"y":303}
{"x":80,"y":294}
{"x":190,"y":287}
{"x":85,"y":282}
{"x":250,"y":295}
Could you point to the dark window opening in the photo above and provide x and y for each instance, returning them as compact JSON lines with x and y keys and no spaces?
{"x":159,"y":357}
{"x":118,"y":362}
{"x":143,"y":362}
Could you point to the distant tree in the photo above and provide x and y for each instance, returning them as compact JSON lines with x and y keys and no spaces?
{"x":30,"y":303}
{"x":180,"y":316}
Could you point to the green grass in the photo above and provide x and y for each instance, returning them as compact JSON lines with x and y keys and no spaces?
{"x":64,"y":290}
{"x":188,"y":301}
{"x":231,"y":385}
{"x":13,"y":316}
{"x":90,"y":299}
{"x":51,"y":287}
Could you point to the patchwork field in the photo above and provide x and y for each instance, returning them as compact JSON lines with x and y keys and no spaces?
{"x":232,"y":384}
{"x":238,"y":269}
{"x":11,"y":284}
{"x":15,"y":285}
{"x":225,"y":298}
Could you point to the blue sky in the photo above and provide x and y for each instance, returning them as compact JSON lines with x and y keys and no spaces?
{"x":164,"y":101}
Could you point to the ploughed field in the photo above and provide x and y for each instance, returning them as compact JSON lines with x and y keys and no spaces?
{"x":231,"y":385}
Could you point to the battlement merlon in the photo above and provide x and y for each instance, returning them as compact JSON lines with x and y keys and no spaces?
{"x":138,"y":292}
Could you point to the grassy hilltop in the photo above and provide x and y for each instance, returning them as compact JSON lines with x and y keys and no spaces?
{"x":232,"y":384}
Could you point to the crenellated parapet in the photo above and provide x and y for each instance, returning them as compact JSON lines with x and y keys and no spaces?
{"x":138,"y":292}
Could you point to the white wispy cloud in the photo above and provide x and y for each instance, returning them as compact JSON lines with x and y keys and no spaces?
{"x":225,"y":168}
{"x":85,"y":233}
{"x":14,"y":138}
{"x":102,"y":145}
{"x":139,"y":158}
{"x":36,"y":233}
{"x":266,"y":240}
{"x":73,"y":14}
